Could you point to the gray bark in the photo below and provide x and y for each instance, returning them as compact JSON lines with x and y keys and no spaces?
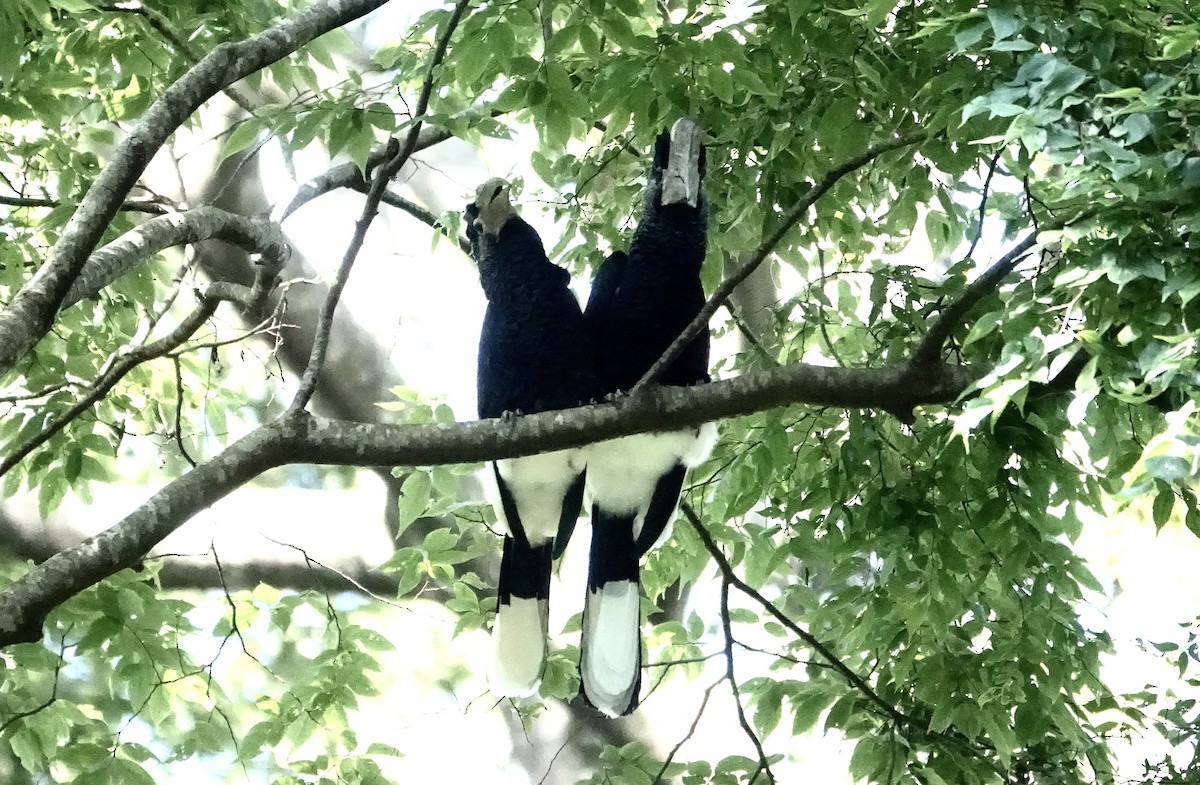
{"x":133,"y":248}
{"x":29,"y":314}
{"x":301,"y":438}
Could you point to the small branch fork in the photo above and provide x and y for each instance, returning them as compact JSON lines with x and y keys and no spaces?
{"x":397,"y":156}
{"x":930,"y":348}
{"x":896,"y":718}
{"x":727,"y":625}
{"x":216,"y":294}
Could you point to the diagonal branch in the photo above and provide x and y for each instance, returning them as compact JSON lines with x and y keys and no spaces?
{"x":209,"y":300}
{"x":398,"y":155}
{"x":931,"y":345}
{"x":348,"y":175}
{"x":730,"y":578}
{"x":690,"y":733}
{"x":29,"y":314}
{"x":793,"y":216}
{"x":426,"y":217}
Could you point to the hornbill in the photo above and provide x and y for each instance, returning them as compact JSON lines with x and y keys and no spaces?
{"x":640,"y":302}
{"x":535,"y":354}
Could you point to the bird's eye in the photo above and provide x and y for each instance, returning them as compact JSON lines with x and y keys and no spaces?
{"x":496,"y":193}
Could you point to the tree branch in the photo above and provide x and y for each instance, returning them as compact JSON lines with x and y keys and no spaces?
{"x":426,"y":217}
{"x":727,"y":627}
{"x":301,"y":438}
{"x":397,"y":157}
{"x":348,"y":175}
{"x":731,"y":578}
{"x":131,"y":249}
{"x":152,"y":206}
{"x":793,"y":216}
{"x":931,"y":345}
{"x":29,"y":314}
{"x":216,"y":294}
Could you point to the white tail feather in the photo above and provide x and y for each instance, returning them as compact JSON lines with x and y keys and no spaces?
{"x":519,"y":637}
{"x":611,"y":646}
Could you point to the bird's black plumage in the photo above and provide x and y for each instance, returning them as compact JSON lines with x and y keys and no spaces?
{"x":535,"y":354}
{"x":640,"y":302}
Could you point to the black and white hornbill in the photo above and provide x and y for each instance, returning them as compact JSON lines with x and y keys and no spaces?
{"x":640,"y":302}
{"x":535,"y":354}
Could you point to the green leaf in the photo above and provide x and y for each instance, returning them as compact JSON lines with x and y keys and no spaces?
{"x":414,"y":498}
{"x":245,"y":133}
{"x":1169,"y":468}
{"x":126,"y":772}
{"x":1164,"y":503}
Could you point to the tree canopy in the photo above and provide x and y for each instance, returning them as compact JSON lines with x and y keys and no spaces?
{"x":950,"y":262}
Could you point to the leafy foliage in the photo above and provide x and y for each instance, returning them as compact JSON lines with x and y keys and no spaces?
{"x":913,"y":587}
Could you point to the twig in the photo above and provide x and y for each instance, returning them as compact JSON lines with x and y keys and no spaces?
{"x":723,"y":292}
{"x":987,"y":184}
{"x":931,"y":345}
{"x":348,"y":175}
{"x":682,"y":661}
{"x":109,"y":379}
{"x":690,"y":733}
{"x":426,"y":217}
{"x":29,"y":396}
{"x":152,"y":207}
{"x":310,"y":561}
{"x":727,"y":626}
{"x":179,"y":412}
{"x":62,"y":658}
{"x":728,"y":574}
{"x":159,"y":23}
{"x":397,"y":157}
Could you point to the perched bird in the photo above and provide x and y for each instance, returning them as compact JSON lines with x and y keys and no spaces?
{"x":640,"y":302}
{"x":535,"y":354}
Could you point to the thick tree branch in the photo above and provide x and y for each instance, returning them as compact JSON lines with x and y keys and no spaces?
{"x":31,"y":312}
{"x":25,"y":603}
{"x":131,"y":249}
{"x":301,"y":438}
{"x":398,"y":155}
{"x":793,"y":216}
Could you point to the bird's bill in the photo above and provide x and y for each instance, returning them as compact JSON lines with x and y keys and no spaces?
{"x":681,"y":180}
